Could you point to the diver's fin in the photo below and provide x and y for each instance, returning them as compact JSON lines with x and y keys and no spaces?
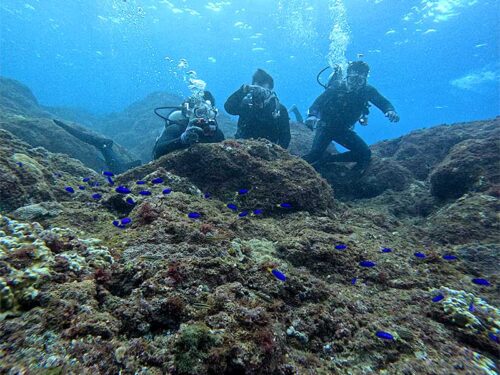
{"x":85,"y":135}
{"x":296,"y":112}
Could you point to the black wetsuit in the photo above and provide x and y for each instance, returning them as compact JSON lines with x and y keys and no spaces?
{"x":105,"y":145}
{"x":259,"y":123}
{"x":338,"y":111}
{"x":170,"y":139}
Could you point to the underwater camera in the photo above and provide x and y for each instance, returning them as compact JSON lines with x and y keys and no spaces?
{"x":260,"y":97}
{"x":201,"y":114}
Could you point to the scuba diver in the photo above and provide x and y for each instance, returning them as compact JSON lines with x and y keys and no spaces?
{"x":335,"y":112}
{"x":192,"y":122}
{"x":103,"y":144}
{"x":261,"y":115}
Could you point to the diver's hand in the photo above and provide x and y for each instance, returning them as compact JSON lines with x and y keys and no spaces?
{"x":311,"y":122}
{"x":392,"y":116}
{"x":191,"y":135}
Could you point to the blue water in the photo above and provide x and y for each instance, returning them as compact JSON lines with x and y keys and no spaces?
{"x":437,"y":61}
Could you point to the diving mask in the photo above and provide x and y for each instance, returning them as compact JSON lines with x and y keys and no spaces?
{"x":355,"y":81}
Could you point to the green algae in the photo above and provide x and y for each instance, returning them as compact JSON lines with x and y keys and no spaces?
{"x":191,"y":348}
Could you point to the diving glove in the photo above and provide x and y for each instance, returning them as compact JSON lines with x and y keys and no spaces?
{"x":392,"y":116}
{"x":191,"y":135}
{"x":312,"y":122}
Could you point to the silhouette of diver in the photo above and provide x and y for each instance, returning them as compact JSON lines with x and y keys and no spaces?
{"x":103,"y":144}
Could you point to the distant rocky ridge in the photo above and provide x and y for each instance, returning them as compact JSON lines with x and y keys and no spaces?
{"x":21,"y":115}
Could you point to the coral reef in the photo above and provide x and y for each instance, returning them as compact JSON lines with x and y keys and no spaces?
{"x":163,"y":277}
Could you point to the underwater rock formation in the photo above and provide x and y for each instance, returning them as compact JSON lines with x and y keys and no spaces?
{"x":451,"y":160}
{"x":33,"y":175}
{"x":471,"y":165}
{"x":21,"y":115}
{"x":266,"y":170}
{"x":191,"y":264}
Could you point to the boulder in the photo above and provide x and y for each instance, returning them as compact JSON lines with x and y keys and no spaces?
{"x":271,"y":174}
{"x":472,"y":164}
{"x":31,"y":176}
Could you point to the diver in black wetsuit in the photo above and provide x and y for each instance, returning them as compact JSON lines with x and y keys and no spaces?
{"x":103,"y":144}
{"x":335,"y":112}
{"x":261,"y":115}
{"x":193,"y":122}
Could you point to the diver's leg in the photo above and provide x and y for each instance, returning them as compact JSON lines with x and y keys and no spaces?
{"x":85,"y":135}
{"x":359,"y":151}
{"x":298,"y":116}
{"x":111,"y":159}
{"x":321,"y":141}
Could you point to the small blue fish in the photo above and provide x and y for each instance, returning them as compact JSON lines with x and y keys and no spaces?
{"x":110,"y":181}
{"x":117,"y":224}
{"x":258,"y":212}
{"x":353,"y":280}
{"x":482,"y":282}
{"x":419,"y":255}
{"x":449,"y":257}
{"x":145,"y":192}
{"x":285,"y":205}
{"x":386,"y":250}
{"x":126,"y":221}
{"x":19,"y":164}
{"x":243,"y":214}
{"x":471,"y":307}
{"x":123,"y":190}
{"x":81,"y":187}
{"x":69,"y":189}
{"x":109,"y":174}
{"x":157,"y":180}
{"x":278,"y":275}
{"x":341,"y":247}
{"x":207,"y":195}
{"x":438,"y":298}
{"x":494,"y":337}
{"x":166,"y":191}
{"x":242,"y":191}
{"x":96,"y":196}
{"x":366,"y":263}
{"x":232,"y":207}
{"x":86,"y":179}
{"x":130,"y":201}
{"x":194,"y":215}
{"x":140,"y":182}
{"x":384,"y":335}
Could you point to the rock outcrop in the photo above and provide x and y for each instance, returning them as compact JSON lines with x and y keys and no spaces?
{"x":21,"y":115}
{"x":154,"y":272}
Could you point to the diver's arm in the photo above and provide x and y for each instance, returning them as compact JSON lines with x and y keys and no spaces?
{"x":233,"y":104}
{"x":170,"y":140}
{"x":379,"y":100}
{"x":319,"y":103}
{"x":284,"y":128}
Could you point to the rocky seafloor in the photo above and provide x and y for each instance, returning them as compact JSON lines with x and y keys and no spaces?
{"x":239,"y":258}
